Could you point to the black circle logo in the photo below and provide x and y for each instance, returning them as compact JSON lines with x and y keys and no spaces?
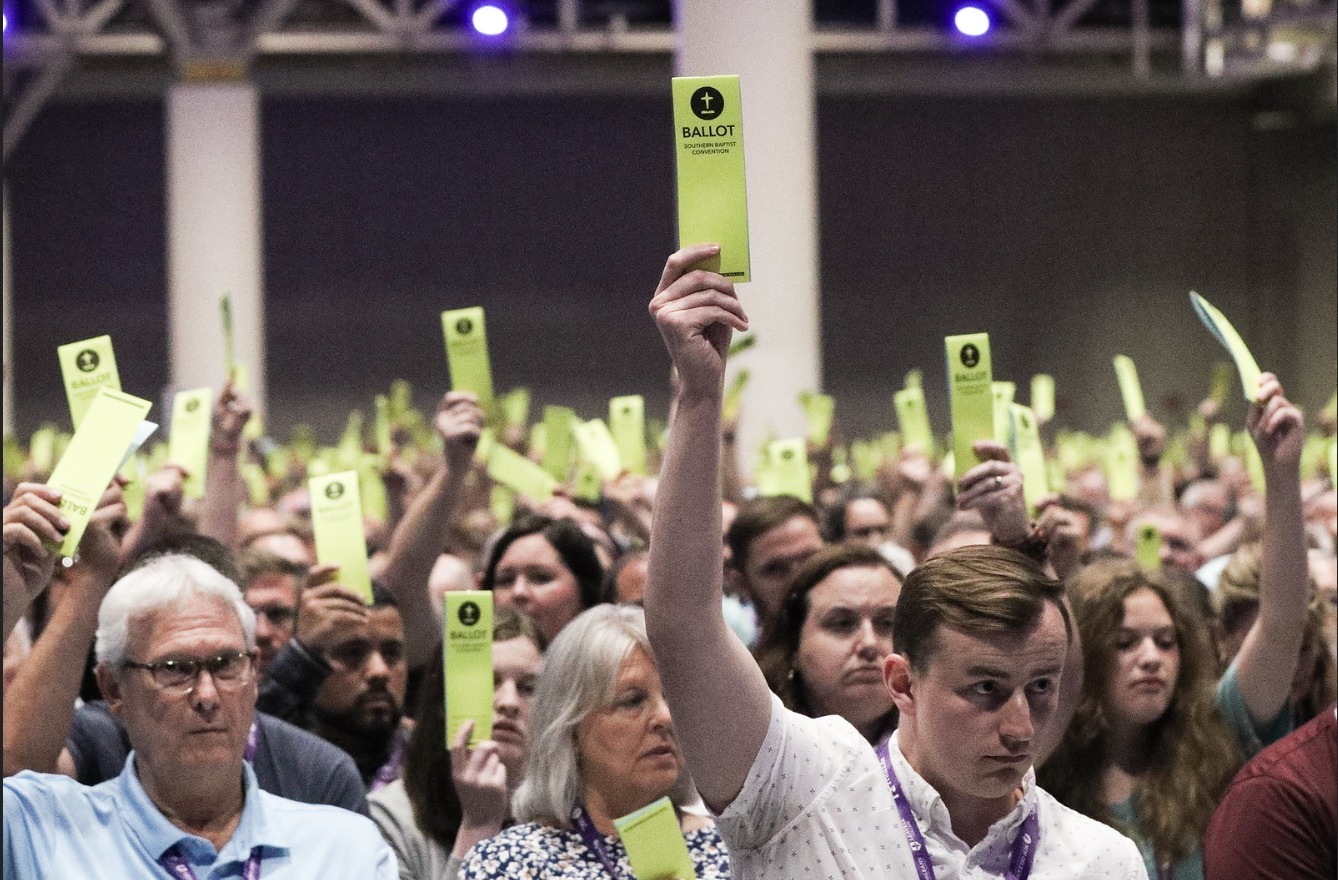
{"x":707,"y":103}
{"x":192,"y":405}
{"x":1150,"y":533}
{"x":787,"y":454}
{"x":464,"y":326}
{"x":469,"y":614}
{"x":334,"y":491}
{"x":87,"y":360}
{"x":970,"y":355}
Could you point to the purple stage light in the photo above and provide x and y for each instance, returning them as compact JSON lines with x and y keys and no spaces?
{"x":491,"y":21}
{"x":972,"y":21}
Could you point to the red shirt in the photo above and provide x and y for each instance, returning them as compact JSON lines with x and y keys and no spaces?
{"x":1279,"y":817}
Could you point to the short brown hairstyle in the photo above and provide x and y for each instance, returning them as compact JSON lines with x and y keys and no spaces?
{"x":759,"y":516}
{"x":255,"y":563}
{"x":979,"y":589}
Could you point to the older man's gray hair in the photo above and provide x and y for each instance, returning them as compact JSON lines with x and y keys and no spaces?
{"x":162,"y":583}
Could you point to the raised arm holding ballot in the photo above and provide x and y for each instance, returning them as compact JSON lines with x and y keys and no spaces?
{"x":976,"y":686}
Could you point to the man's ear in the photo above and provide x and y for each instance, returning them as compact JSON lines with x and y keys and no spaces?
{"x":899,"y":679}
{"x":110,"y":686}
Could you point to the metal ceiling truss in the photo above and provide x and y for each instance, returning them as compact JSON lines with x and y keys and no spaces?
{"x":215,"y":39}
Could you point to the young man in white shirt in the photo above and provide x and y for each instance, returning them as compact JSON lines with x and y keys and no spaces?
{"x":976,"y":674}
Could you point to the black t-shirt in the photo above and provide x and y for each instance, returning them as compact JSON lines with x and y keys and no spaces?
{"x":289,"y":762}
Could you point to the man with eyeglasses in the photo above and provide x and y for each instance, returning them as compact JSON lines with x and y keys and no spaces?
{"x":175,"y":647}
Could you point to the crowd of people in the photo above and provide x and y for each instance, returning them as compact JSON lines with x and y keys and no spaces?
{"x":907,"y":676}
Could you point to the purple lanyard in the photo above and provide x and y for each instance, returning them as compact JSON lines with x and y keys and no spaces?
{"x":390,"y":770}
{"x":594,"y":841}
{"x":179,"y":868}
{"x":252,"y":740}
{"x":1024,"y":845}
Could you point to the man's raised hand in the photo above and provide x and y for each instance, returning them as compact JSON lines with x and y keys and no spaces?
{"x":32,"y":521}
{"x":994,"y":488}
{"x":459,"y":421}
{"x":696,"y":312}
{"x":1276,"y":425}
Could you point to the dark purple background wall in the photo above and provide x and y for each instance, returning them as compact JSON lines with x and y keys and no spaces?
{"x":1069,"y":228}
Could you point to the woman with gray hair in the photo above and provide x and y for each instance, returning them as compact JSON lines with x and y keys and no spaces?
{"x":604,"y":748}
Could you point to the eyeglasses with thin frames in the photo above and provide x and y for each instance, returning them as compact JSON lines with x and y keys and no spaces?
{"x":230,"y":670}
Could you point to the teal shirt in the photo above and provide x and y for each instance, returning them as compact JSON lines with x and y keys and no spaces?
{"x":1252,"y":738}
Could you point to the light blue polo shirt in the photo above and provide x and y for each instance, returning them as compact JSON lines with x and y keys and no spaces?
{"x":56,"y":827}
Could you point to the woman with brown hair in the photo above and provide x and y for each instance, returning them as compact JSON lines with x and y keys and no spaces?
{"x":447,"y":801}
{"x":823,"y":652}
{"x":1153,"y":744}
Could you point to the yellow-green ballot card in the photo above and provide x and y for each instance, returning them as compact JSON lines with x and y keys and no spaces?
{"x":522,"y":476}
{"x":1043,"y":397}
{"x":1029,"y":454}
{"x":1122,"y":464}
{"x":87,"y":366}
{"x":818,"y":410}
{"x":729,"y":411}
{"x":225,"y":313}
{"x":971,"y":388}
{"x":516,"y":408}
{"x":627,"y":420}
{"x":1003,"y":393}
{"x":336,"y":519}
{"x":712,"y":197}
{"x":655,"y":845}
{"x":95,"y":453}
{"x":467,"y":663}
{"x":188,"y":445}
{"x":1148,"y":549}
{"x":914,"y":419}
{"x":382,"y":429}
{"x":559,"y":440}
{"x":1131,"y":391}
{"x":467,"y":353}
{"x":788,"y":461}
{"x":1226,"y":334}
{"x":598,"y":447}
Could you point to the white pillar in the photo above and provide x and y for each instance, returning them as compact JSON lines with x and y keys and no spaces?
{"x":213,"y":232}
{"x":769,"y":45}
{"x":8,"y":404}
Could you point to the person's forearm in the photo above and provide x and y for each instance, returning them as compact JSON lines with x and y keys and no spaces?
{"x":470,"y":834}
{"x":414,"y":548}
{"x":1284,"y":575}
{"x":731,"y":480}
{"x":1225,"y":540}
{"x":39,"y":703}
{"x":1155,"y":485}
{"x":687,"y":517}
{"x":903,"y":515}
{"x":1268,"y":658}
{"x":224,"y":494}
{"x":15,"y":606}
{"x":706,"y":670}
